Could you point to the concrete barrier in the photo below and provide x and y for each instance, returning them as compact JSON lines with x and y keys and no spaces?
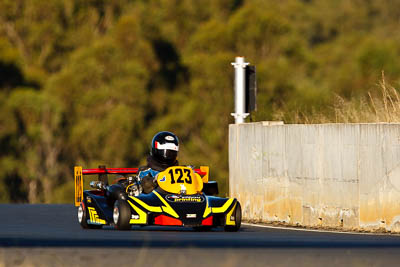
{"x":333,"y":175}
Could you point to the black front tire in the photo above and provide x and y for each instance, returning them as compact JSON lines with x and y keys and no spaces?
{"x":238,"y":220}
{"x":122,"y":215}
{"x":82,"y":218}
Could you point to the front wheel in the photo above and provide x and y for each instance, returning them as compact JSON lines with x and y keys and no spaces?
{"x":122,"y":215}
{"x":238,"y":219}
{"x":82,"y":218}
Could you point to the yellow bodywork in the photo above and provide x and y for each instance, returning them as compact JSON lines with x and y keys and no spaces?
{"x":166,"y":208}
{"x":147,"y":207}
{"x":179,"y":179}
{"x":142,"y":219}
{"x":223,"y":208}
{"x":205,"y":169}
{"x":78,"y":185}
{"x":142,"y":215}
{"x":228,"y":218}
{"x":207,"y":211}
{"x":94,"y":217}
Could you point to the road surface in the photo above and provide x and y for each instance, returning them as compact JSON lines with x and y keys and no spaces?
{"x":49,"y":235}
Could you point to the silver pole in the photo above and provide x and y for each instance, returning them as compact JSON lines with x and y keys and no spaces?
{"x":240,"y":84}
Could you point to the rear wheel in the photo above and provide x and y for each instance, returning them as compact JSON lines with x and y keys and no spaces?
{"x":122,"y":215}
{"x":82,"y":218}
{"x":238,"y":219}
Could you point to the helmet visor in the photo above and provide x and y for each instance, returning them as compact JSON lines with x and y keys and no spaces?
{"x":170,"y":155}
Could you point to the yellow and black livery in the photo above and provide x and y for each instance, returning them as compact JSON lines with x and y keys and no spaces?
{"x":183,"y":197}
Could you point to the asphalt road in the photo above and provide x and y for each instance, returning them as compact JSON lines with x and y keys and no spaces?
{"x":50,"y":235}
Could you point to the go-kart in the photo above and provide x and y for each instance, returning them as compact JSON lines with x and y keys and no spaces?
{"x":183,"y":197}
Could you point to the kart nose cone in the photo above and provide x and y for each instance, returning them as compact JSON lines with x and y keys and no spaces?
{"x":116,"y":215}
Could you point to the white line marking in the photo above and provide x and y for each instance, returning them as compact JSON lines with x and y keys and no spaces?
{"x":315,"y":230}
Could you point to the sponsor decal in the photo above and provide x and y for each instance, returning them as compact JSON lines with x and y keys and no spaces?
{"x":94,"y":217}
{"x":170,"y":146}
{"x":191,"y":215}
{"x":134,"y":216}
{"x":169,"y":138}
{"x":163,"y":179}
{"x":89,"y":200}
{"x":191,"y":199}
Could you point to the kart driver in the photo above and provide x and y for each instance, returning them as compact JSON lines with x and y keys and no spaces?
{"x":163,"y":154}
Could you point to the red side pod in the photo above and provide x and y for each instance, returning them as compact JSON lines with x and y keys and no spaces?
{"x":207,"y":221}
{"x":166,"y":220}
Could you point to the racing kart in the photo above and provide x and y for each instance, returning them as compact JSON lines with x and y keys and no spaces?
{"x":183,"y":197}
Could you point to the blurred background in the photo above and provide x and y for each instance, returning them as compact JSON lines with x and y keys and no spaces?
{"x":89,"y":82}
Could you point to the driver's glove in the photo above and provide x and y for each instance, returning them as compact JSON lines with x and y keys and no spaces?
{"x":148,"y":184}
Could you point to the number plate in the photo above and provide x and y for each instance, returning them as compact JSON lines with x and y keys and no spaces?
{"x":180,"y":180}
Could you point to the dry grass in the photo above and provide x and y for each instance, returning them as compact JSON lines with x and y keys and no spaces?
{"x":382,"y":107}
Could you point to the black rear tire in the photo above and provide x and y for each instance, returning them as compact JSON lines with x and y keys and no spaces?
{"x":82,"y":218}
{"x":238,"y":220}
{"x":122,"y":215}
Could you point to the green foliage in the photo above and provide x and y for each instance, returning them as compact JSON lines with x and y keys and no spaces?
{"x":90,"y":82}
